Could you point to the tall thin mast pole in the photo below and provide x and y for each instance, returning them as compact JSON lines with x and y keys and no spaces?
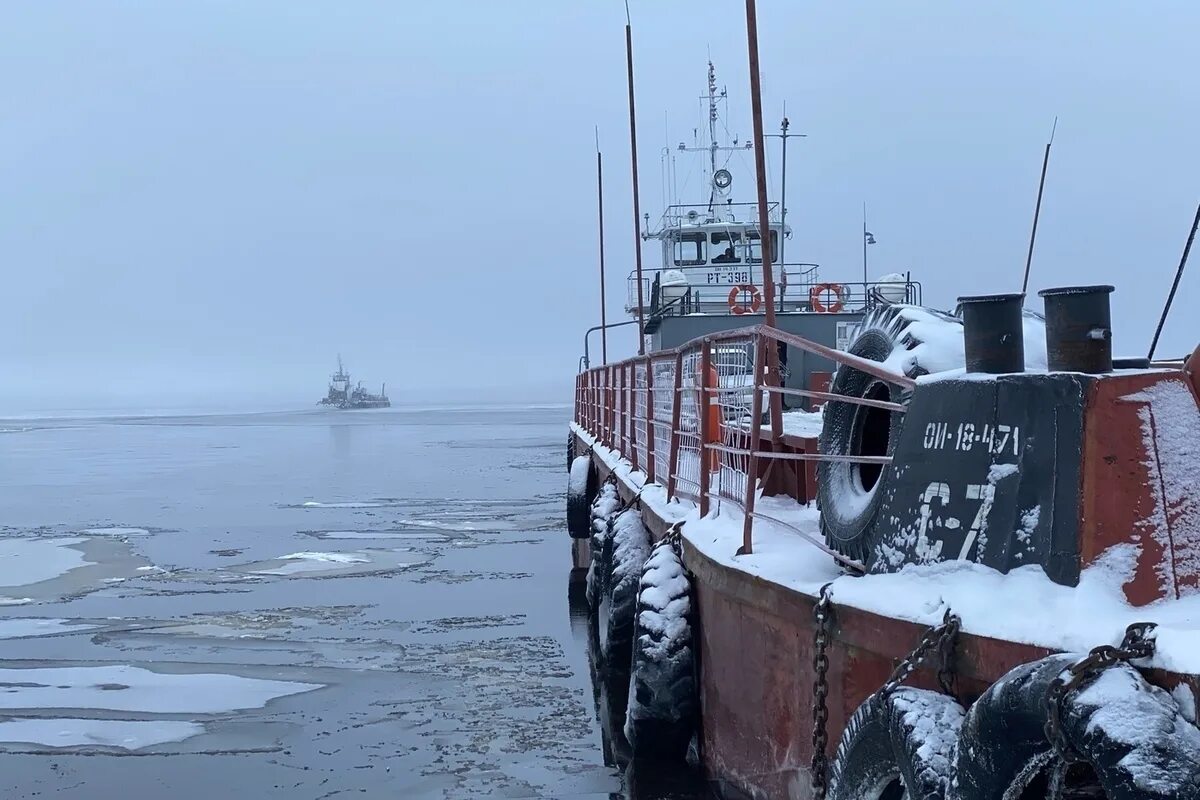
{"x":637,"y":211}
{"x":1037,"y":209}
{"x":773,"y":377}
{"x":600,"y":207}
{"x":783,"y":191}
{"x":1187,"y":249}
{"x":864,"y":247}
{"x":760,"y":163}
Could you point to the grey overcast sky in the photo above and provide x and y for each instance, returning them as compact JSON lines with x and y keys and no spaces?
{"x":212,"y":199}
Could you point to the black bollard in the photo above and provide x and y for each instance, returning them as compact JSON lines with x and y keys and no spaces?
{"x":1078,"y":329}
{"x":993,"y":335}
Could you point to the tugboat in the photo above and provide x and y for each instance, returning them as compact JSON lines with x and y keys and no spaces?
{"x":346,"y":397}
{"x":967,"y":569}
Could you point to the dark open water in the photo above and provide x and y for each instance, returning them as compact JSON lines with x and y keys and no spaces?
{"x":305,"y":605}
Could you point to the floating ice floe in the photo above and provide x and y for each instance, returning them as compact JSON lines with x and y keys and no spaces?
{"x":315,"y":564}
{"x":121,"y":687}
{"x":118,"y":733}
{"x":30,"y":627}
{"x":28,"y":561}
{"x":116,"y":531}
{"x":423,"y":535}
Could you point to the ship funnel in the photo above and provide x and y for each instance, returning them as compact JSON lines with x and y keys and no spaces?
{"x":993,"y":335}
{"x":1078,"y":329}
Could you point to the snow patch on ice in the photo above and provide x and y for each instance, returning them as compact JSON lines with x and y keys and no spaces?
{"x":313,"y":562}
{"x":337,"y":558}
{"x":128,"y":688}
{"x":28,"y":561}
{"x":118,"y":733}
{"x":316,"y":504}
{"x":427,"y":536}
{"x":115,"y":531}
{"x":31,"y":627}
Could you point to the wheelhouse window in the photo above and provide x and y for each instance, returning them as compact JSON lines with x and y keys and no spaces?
{"x":690,"y":249}
{"x":754,"y":246}
{"x":725,"y":247}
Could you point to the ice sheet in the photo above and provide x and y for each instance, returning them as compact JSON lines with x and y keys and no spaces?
{"x":120,"y":733}
{"x":122,"y":687}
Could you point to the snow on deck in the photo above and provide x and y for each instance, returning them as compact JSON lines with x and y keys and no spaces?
{"x":1022,"y":606}
{"x":805,"y":424}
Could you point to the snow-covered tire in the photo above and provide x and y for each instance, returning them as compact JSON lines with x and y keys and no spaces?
{"x":605,"y":505}
{"x":904,"y":741}
{"x":848,"y":493}
{"x":1134,"y":742}
{"x":581,"y":489}
{"x":663,"y":699}
{"x":630,"y":547}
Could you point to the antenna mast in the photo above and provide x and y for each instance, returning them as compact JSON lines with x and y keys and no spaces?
{"x":637,"y":212}
{"x":600,"y":207}
{"x":1187,"y":249}
{"x":712,"y":120}
{"x":1037,"y":209}
{"x":764,"y":222}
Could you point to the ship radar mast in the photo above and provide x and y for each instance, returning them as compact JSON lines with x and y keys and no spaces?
{"x":341,"y":375}
{"x":719,"y":179}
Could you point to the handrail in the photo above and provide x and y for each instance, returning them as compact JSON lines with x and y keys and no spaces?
{"x":873,"y":368}
{"x":621,"y":405}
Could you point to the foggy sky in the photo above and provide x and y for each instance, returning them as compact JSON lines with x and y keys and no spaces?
{"x":213,"y":199}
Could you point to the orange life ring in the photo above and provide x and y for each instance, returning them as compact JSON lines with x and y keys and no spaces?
{"x":737,"y":306}
{"x":818,"y":296}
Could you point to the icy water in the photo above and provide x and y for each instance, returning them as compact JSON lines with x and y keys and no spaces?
{"x":305,"y":605}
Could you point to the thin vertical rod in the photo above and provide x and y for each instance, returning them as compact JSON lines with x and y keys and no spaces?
{"x":600,"y":205}
{"x":1187,"y":249}
{"x":783,"y":192}
{"x":637,"y":211}
{"x":755,"y":446}
{"x":673,"y":450}
{"x":1037,"y":212}
{"x":865,"y":279}
{"x":651,"y":439}
{"x":760,"y":163}
{"x":764,"y":229}
{"x":706,"y":433}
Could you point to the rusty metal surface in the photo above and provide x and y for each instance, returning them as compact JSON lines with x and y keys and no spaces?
{"x":1122,"y":490}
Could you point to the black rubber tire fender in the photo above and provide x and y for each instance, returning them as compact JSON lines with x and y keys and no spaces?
{"x":901,"y":742}
{"x":1003,"y":741}
{"x":604,"y":508}
{"x":582,"y":485}
{"x":629,"y":545}
{"x":664,"y":701}
{"x":847,"y":509}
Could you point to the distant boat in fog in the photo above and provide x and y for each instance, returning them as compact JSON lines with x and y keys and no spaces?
{"x":345,"y":396}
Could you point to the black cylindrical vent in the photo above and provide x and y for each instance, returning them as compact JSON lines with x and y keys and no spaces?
{"x":1078,"y":329}
{"x":992,"y":333}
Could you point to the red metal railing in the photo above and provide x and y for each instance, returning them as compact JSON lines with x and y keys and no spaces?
{"x":692,"y":419}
